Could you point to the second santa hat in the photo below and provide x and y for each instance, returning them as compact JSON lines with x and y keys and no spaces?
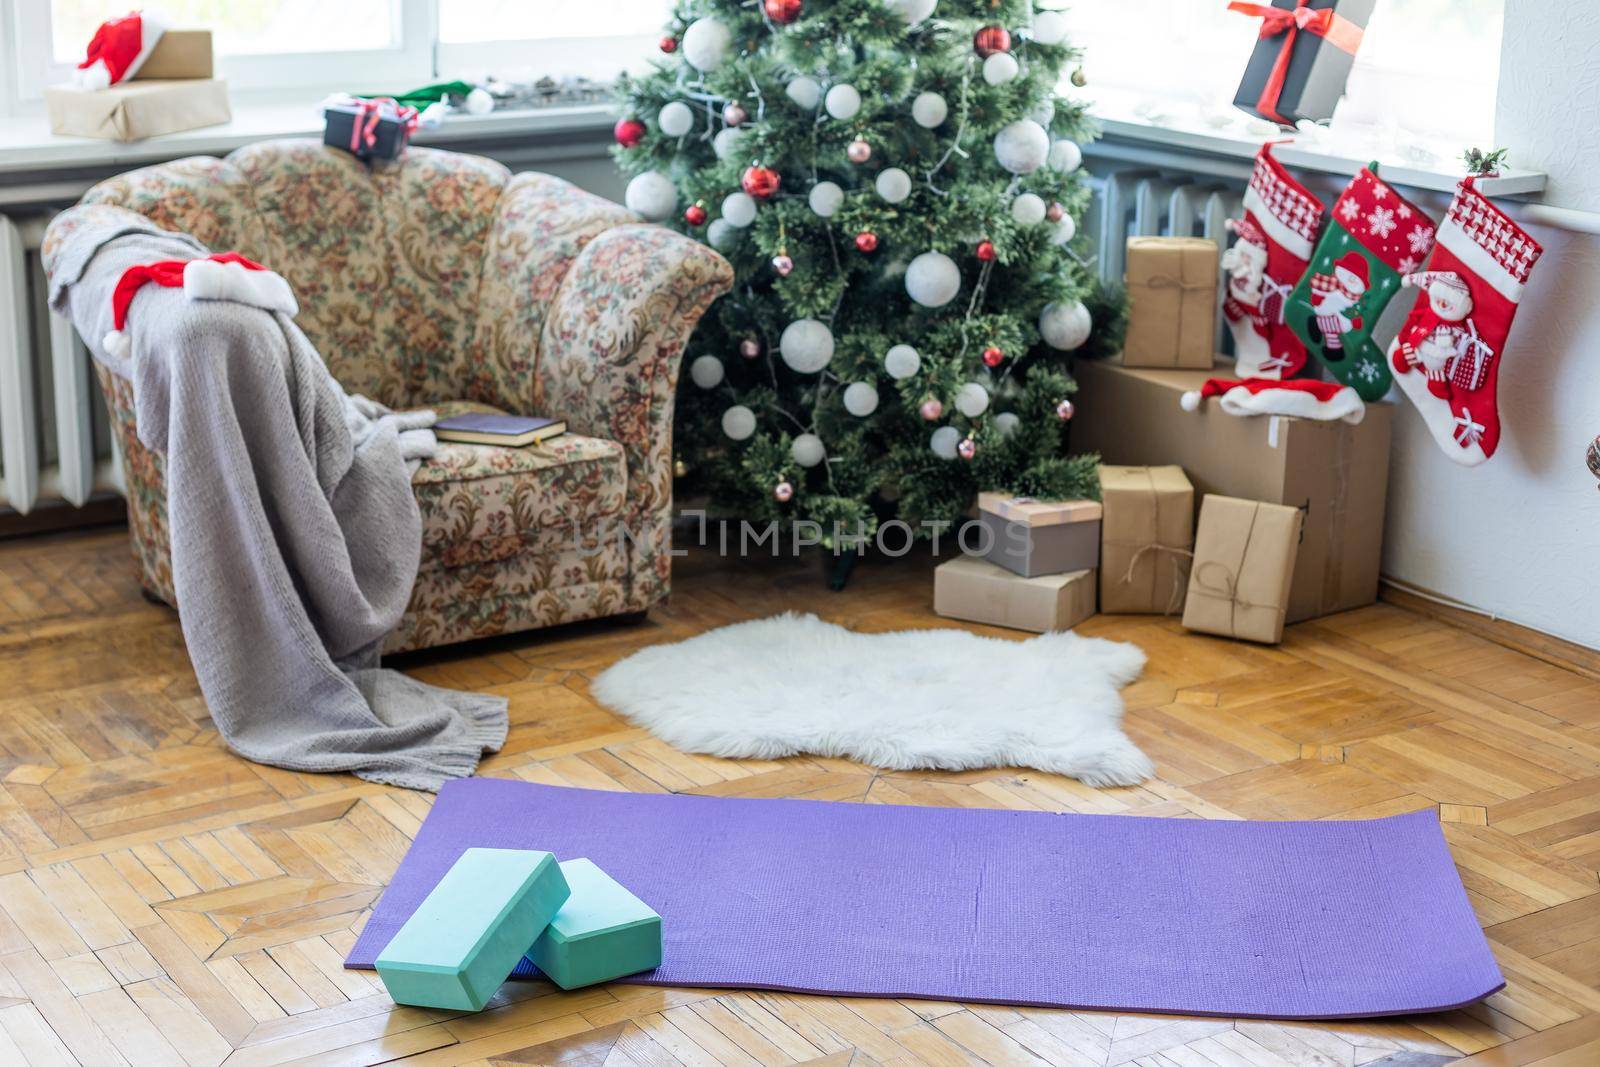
{"x":118,"y":49}
{"x":1302,"y":398}
{"x":224,"y":276}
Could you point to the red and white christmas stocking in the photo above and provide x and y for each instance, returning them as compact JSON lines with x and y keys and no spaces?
{"x":1276,"y":236}
{"x":224,"y":276}
{"x":1447,"y":355}
{"x":118,"y":49}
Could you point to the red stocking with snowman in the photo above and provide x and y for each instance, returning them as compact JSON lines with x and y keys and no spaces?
{"x":1276,"y":238}
{"x":1447,"y":355}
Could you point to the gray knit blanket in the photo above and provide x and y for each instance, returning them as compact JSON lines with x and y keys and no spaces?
{"x":295,"y":535}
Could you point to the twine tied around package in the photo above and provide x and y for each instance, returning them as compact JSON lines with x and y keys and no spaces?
{"x":1167,"y":281}
{"x":1179,"y":580}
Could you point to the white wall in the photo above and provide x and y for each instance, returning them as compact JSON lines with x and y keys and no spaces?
{"x":1520,"y":535}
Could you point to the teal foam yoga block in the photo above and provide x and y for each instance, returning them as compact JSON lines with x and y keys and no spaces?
{"x":602,"y":932}
{"x":469,"y":933}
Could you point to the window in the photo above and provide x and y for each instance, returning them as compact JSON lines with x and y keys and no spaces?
{"x":293,"y":51}
{"x":1424,"y":81}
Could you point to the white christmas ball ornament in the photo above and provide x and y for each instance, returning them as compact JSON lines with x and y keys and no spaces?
{"x":825,"y":199}
{"x":1049,"y":27}
{"x":804,"y":91}
{"x":726,"y":142}
{"x":902,"y":362}
{"x":913,"y":11}
{"x":1007,"y":422}
{"x":860,"y":399}
{"x":1022,"y":147}
{"x":1066,"y":230}
{"x":721,"y":234}
{"x":893,"y":184}
{"x":806,"y":345}
{"x":706,"y":372}
{"x":738,"y":422}
{"x":1065,"y":156}
{"x":1026,"y":210}
{"x":933,"y":279}
{"x":972,"y":399}
{"x":807,"y":450}
{"x":480,"y":102}
{"x":651,"y":195}
{"x":1065,"y":326}
{"x":944,"y":442}
{"x":675,"y":119}
{"x":706,"y":44}
{"x":1043,"y":112}
{"x":739,"y":209}
{"x":842,"y":102}
{"x":1000,"y":68}
{"x":929,"y":110}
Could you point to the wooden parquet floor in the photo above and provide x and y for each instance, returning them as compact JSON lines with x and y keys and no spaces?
{"x":164,"y":902}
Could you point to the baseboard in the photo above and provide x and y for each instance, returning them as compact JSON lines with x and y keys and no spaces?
{"x":1553,"y":650}
{"x":105,"y":512}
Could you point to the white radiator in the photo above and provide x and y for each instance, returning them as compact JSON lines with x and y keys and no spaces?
{"x":57,"y":449}
{"x":55,"y":445}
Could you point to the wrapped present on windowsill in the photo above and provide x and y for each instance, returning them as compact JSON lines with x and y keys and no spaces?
{"x":1303,"y":57}
{"x":370,"y":129}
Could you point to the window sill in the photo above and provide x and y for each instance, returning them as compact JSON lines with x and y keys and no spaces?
{"x":1228,"y":152}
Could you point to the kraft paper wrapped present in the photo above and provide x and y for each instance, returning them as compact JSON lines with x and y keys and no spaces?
{"x":178,"y":54}
{"x":1033,"y":537}
{"x":1147,"y":533}
{"x":1172,"y":302}
{"x":130,"y":111}
{"x":976,"y":590}
{"x":1243,"y":560}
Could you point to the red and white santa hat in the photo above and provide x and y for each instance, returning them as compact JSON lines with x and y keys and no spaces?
{"x":118,"y":49}
{"x":224,"y":276}
{"x":1300,"y":398}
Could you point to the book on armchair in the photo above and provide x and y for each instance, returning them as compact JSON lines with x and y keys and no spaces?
{"x":507,"y":431}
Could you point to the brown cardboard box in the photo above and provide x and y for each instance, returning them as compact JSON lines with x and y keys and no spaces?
{"x":1243,"y":561}
{"x":976,"y":590}
{"x":179,"y":54}
{"x":1336,"y":473}
{"x":1147,"y":532}
{"x":1032,"y":537}
{"x":1172,"y":294}
{"x":136,"y":109}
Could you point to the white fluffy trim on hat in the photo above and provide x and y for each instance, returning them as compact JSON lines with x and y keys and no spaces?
{"x":1344,"y":403}
{"x":207,"y":279}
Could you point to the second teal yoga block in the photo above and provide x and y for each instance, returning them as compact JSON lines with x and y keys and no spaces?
{"x":464,"y":939}
{"x":602,"y":932}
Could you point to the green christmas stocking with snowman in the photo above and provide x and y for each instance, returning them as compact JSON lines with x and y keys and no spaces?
{"x":1375,"y":237}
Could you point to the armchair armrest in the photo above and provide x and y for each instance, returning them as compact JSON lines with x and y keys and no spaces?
{"x":609,"y":356}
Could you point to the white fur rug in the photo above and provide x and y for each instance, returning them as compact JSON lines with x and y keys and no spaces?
{"x":942,"y":699}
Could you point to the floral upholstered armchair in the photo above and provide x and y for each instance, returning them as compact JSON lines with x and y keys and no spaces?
{"x":443,"y":280}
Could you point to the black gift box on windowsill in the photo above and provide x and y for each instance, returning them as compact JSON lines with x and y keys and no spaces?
{"x":1302,"y":58}
{"x":382,"y":140}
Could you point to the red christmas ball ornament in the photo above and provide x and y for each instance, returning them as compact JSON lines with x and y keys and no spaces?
{"x":668,"y":44}
{"x":782,"y":264}
{"x":931,"y":410}
{"x":985,"y":250}
{"x":628,"y":132}
{"x":1065,"y":411}
{"x":991,"y":39}
{"x":734,"y":114}
{"x":1055,"y":212}
{"x":782,"y":12}
{"x":993,"y":357}
{"x":695,"y":214}
{"x":866,"y":241}
{"x":760,"y":182}
{"x":858,"y":151}
{"x":783,"y":492}
{"x":967,"y":448}
{"x":749,"y":348}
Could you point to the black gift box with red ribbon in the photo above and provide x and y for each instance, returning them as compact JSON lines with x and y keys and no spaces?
{"x":377,"y":129}
{"x":1302,"y":57}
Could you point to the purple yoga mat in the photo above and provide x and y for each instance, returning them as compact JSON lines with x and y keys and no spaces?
{"x":1282,"y":920}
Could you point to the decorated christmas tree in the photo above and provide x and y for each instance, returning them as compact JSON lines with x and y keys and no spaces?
{"x":897,"y":186}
